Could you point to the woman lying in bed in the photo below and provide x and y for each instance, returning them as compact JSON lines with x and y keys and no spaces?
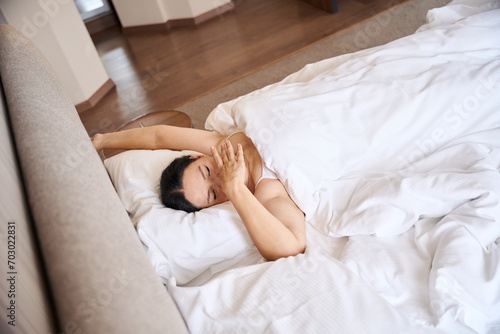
{"x":275,"y":224}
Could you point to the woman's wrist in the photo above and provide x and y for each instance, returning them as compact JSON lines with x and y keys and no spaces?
{"x":99,"y":140}
{"x":235,"y":189}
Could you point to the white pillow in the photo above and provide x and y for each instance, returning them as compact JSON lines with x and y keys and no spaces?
{"x":179,"y":244}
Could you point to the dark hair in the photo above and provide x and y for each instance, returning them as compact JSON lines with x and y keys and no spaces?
{"x":171,"y":191}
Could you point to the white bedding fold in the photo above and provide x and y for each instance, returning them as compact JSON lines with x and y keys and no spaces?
{"x":326,"y":297}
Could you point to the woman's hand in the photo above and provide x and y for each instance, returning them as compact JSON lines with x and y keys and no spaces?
{"x":98,"y":140}
{"x":231,"y":167}
{"x":273,"y":221}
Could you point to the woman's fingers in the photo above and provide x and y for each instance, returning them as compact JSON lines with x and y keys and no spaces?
{"x":223,"y":153}
{"x":216,"y":156}
{"x":227,"y":154}
{"x":229,"y":151}
{"x":240,"y":152}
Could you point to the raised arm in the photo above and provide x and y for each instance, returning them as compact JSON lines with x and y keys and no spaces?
{"x":159,"y":137}
{"x":275,"y":224}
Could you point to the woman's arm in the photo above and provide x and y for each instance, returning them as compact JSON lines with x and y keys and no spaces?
{"x":275,"y":224}
{"x":159,"y":137}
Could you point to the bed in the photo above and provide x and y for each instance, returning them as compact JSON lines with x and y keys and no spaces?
{"x":393,"y":154}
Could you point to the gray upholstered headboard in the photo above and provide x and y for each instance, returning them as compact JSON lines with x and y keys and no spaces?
{"x":25,"y":303}
{"x":2,"y":18}
{"x":98,"y":274}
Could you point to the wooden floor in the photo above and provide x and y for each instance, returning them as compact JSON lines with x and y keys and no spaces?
{"x":164,"y":70}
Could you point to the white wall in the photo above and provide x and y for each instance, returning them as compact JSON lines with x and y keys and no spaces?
{"x":134,"y":13}
{"x":202,"y":6}
{"x":177,"y":9}
{"x":160,"y":11}
{"x":56,"y":28}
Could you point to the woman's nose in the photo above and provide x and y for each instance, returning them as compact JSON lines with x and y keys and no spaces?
{"x":217,"y":181}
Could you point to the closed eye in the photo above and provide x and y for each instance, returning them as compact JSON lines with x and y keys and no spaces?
{"x":208,"y":170}
{"x":215,"y":195}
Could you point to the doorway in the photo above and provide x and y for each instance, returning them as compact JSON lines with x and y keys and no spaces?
{"x":98,"y":15}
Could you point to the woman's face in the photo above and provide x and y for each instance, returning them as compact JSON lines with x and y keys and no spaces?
{"x":201,"y":184}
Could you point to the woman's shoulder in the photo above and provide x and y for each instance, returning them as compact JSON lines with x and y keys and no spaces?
{"x":241,"y":138}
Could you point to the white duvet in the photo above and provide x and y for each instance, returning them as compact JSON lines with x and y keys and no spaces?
{"x":393,"y":153}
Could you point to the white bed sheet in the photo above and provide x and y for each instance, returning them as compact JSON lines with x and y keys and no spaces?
{"x":411,"y":242}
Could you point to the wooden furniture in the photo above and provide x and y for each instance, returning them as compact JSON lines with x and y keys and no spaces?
{"x":167,"y":117}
